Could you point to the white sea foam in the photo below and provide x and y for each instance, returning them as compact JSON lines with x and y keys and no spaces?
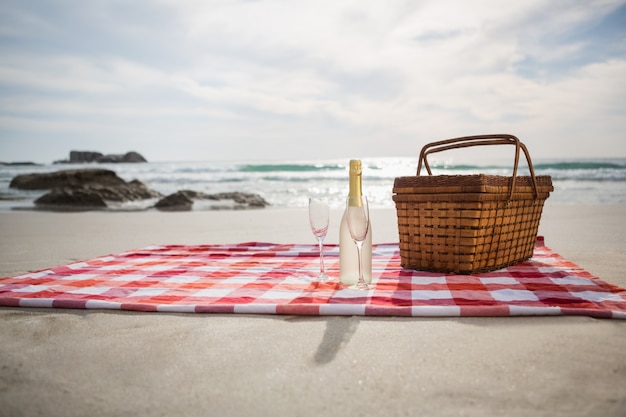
{"x":289,"y":184}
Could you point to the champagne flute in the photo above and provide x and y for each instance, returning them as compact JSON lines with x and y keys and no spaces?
{"x":318,"y":219}
{"x":359,"y":224}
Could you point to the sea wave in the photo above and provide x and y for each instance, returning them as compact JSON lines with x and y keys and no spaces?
{"x":288,"y":184}
{"x":565,"y":165}
{"x":581,"y":165}
{"x":291,"y":167}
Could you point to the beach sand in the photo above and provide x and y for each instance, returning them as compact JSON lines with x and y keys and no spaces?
{"x":56,"y":362}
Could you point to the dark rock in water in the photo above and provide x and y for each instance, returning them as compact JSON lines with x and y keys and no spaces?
{"x":49,"y":180}
{"x":127,"y":157}
{"x":130,"y":191}
{"x":142,"y":190}
{"x":18,"y":163}
{"x":245,"y":199}
{"x":80,"y":157}
{"x":183,"y":200}
{"x":133,"y":157}
{"x":72,"y":197}
{"x":84,"y":188}
{"x":194,"y":195}
{"x":84,"y":156}
{"x":94,"y":195}
{"x":93,"y":188}
{"x":178,"y":201}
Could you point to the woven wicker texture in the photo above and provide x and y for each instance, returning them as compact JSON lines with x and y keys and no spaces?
{"x":469,"y":223}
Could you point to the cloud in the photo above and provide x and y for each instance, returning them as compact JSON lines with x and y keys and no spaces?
{"x":319,"y":79}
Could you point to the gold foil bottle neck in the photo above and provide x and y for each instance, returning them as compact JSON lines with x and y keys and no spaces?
{"x":355,"y":167}
{"x":355,"y":183}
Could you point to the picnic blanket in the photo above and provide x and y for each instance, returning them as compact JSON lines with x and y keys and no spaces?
{"x":269,"y":278}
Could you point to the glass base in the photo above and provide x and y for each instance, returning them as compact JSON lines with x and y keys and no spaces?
{"x":323,"y":278}
{"x":362,"y":286}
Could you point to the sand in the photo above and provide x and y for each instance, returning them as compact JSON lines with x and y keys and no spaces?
{"x":57,"y":362}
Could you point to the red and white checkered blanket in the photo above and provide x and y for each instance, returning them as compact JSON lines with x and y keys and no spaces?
{"x":266,"y":278}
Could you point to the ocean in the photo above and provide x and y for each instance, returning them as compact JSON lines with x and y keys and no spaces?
{"x":289,"y":184}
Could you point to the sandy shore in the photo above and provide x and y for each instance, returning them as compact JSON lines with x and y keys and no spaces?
{"x":78,"y":363}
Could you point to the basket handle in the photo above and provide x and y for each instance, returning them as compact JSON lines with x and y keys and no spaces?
{"x":481,"y":140}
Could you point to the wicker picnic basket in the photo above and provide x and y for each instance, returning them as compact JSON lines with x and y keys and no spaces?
{"x":469,"y":223}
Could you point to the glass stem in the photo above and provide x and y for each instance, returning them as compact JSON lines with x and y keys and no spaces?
{"x":359,"y":249}
{"x":321,"y":245}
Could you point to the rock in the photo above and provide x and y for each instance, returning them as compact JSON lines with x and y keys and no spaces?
{"x":49,"y":180}
{"x":133,"y":157}
{"x":71,"y":197}
{"x":81,"y":157}
{"x":94,"y":195}
{"x":178,"y":201}
{"x":77,"y":157}
{"x":245,"y":199}
{"x":18,"y":163}
{"x":195,"y":195}
{"x":92,"y":188}
{"x":183,"y":200}
{"x":84,"y":188}
{"x":109,"y":158}
{"x":130,"y":191}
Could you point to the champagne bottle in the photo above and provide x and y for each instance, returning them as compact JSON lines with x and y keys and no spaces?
{"x":348,"y":255}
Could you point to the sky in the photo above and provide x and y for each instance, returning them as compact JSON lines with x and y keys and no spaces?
{"x":189,"y":80}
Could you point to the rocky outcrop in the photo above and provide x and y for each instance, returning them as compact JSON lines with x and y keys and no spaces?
{"x":93,"y":188}
{"x":243,"y":200}
{"x":96,"y":195}
{"x":178,"y":201}
{"x":69,"y":177}
{"x":18,"y":163}
{"x":83,"y":188}
{"x":183,"y":201}
{"x":131,"y":157}
{"x":81,"y":157}
{"x":71,"y":197}
{"x":84,"y":156}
